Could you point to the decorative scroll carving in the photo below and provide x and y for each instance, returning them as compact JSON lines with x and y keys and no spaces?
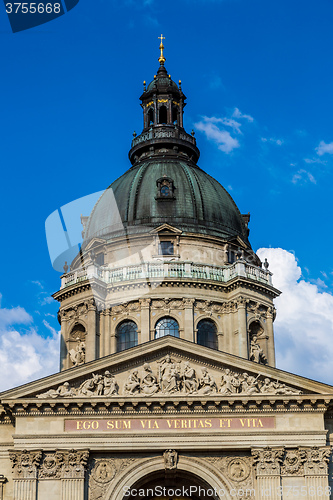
{"x":317,"y":460}
{"x":25,"y":463}
{"x":268,"y":460}
{"x":51,"y":466}
{"x":75,"y":464}
{"x":172,"y":377}
{"x":170,"y":459}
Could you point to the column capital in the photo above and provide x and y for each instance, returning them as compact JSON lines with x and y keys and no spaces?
{"x":74,"y":464}
{"x":25,"y":463}
{"x":268,"y":460}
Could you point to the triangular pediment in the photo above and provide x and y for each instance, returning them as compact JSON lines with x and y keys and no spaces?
{"x":166,"y":229}
{"x":169,"y":368}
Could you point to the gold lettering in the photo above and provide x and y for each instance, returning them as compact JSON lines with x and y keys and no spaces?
{"x":143,"y":423}
{"x":79,"y":425}
{"x":155,"y":426}
{"x":229,"y":422}
{"x":95,"y":424}
{"x":110,"y":424}
{"x":86,"y":425}
{"x":177,"y":424}
{"x":118,"y":424}
{"x":184,"y":424}
{"x":201,"y":424}
{"x":242,"y":422}
{"x":208,"y":423}
{"x":127,"y":425}
{"x":260,"y":423}
{"x":169,"y":422}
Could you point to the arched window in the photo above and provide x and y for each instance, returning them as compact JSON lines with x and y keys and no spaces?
{"x":174,"y":115}
{"x":163,"y":115}
{"x":150,"y":117}
{"x":127,"y":335}
{"x":207,"y":333}
{"x":255,"y":329}
{"x":166,"y":326}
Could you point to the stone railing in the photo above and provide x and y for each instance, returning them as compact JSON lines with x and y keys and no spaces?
{"x":168,"y":270}
{"x":163,"y":133}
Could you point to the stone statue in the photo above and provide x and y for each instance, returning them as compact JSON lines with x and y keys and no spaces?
{"x":250,"y":384}
{"x":110,"y":385}
{"x":256,"y":353}
{"x":88,"y":387}
{"x":78,"y":355}
{"x":190,"y":382}
{"x":226,"y":382}
{"x":170,"y":459}
{"x":148,"y":382}
{"x":207,"y":384}
{"x":132,"y":384}
{"x":169,"y":376}
{"x":236,"y":383}
{"x":63,"y":391}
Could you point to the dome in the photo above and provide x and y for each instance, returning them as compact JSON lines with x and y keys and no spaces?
{"x":199,"y":203}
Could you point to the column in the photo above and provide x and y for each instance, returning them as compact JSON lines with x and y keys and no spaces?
{"x":25,"y":465}
{"x":242,"y":328}
{"x":145,"y":320}
{"x":188,"y":320}
{"x":270,"y":332}
{"x":107,"y":332}
{"x":91,"y":333}
{"x":267,"y":461}
{"x":113,"y":338}
{"x":3,"y":480}
{"x":64,"y":342}
{"x":72,"y":474}
{"x":102,"y":316}
{"x":316,"y":471}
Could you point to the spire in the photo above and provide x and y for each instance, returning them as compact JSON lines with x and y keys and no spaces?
{"x":161,"y":59}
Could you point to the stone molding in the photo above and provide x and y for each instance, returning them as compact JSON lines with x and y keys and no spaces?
{"x":25,"y":463}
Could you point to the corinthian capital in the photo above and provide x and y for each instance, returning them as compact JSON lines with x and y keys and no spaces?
{"x":268,"y":460}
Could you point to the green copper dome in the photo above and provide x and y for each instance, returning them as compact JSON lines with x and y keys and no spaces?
{"x":199,"y":204}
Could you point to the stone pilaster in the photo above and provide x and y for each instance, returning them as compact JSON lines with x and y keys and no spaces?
{"x":270,"y":340}
{"x":316,"y":471}
{"x":267,"y":462}
{"x":145,"y":320}
{"x":243,"y":349}
{"x":188,"y":320}
{"x":91,"y":333}
{"x":72,"y":474}
{"x":3,"y":480}
{"x":25,"y":465}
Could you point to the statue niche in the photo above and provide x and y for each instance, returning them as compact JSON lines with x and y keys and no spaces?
{"x":256,"y":334}
{"x":77,"y":346}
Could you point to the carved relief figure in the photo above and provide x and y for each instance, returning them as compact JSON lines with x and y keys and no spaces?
{"x":169,"y":376}
{"x":207,"y":384}
{"x":148,"y":382}
{"x":190,"y":382}
{"x":250,"y":384}
{"x":226,"y":382}
{"x":88,"y":387}
{"x":63,"y":391}
{"x":170,"y":459}
{"x":110,"y":384}
{"x":132,"y":385}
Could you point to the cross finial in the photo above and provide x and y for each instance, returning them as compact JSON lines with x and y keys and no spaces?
{"x":161,"y":59}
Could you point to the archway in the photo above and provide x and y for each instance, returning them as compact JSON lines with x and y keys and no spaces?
{"x":150,"y":477}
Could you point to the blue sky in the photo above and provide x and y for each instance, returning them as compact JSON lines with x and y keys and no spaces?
{"x":258,"y":77}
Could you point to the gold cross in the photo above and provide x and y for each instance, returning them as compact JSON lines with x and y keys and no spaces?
{"x":161,"y":59}
{"x":161,"y":38}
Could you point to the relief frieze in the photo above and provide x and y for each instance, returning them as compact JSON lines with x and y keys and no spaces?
{"x":170,"y":376}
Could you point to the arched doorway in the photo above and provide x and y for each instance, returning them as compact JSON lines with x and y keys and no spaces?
{"x":149,"y":479}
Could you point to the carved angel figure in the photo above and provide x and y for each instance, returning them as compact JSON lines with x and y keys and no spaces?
{"x":148,"y":382}
{"x":88,"y":387}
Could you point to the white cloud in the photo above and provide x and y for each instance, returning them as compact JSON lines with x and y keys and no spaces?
{"x":304,"y":322}
{"x":324,"y":148}
{"x":237,"y":114}
{"x":220,"y":136}
{"x":272,"y":140}
{"x":25,"y":355}
{"x":303,"y":176}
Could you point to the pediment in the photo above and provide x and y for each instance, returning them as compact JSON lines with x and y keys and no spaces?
{"x":166,"y":229}
{"x":168,"y":368}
